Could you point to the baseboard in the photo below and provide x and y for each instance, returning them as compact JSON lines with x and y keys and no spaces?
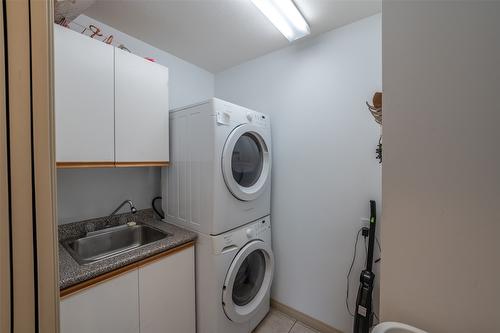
{"x":302,"y":317}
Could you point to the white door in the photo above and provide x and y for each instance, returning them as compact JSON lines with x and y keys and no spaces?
{"x":109,"y":307}
{"x":167,"y":294}
{"x":141,"y":109}
{"x":84,"y":98}
{"x":248,"y":280}
{"x":246,"y":162}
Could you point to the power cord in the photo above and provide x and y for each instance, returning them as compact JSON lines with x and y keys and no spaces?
{"x":349,"y":273}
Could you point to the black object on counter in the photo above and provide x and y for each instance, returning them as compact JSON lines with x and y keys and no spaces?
{"x":160,"y":211}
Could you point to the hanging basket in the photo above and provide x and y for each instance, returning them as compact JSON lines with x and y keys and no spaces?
{"x":376,"y":108}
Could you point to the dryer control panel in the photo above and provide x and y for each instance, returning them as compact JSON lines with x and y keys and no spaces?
{"x":235,"y":239}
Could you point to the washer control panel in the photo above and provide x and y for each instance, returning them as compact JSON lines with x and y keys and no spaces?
{"x":257,"y":118}
{"x":235,"y":239}
{"x":228,"y":113}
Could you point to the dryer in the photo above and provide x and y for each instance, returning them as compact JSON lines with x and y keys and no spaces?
{"x":234,"y":272}
{"x":219,"y":176}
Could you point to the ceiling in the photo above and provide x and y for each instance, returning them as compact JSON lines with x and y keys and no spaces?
{"x":219,"y":34}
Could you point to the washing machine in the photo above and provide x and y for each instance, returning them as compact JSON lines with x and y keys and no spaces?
{"x":219,"y":177}
{"x":233,"y":278}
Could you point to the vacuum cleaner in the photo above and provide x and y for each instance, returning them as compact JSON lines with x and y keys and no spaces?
{"x":363,"y":314}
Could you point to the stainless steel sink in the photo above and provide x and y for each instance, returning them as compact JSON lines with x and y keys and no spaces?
{"x":111,"y":242}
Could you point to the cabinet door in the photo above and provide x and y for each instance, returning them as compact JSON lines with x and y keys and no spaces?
{"x":167,"y":294}
{"x":141,"y":109}
{"x":84,"y":98}
{"x":109,"y":307}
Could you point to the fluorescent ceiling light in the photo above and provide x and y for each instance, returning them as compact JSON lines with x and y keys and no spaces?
{"x":285,"y":17}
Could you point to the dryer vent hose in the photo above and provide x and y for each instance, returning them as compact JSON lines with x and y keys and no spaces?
{"x":160,"y":211}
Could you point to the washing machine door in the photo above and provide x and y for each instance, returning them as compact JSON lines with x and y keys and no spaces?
{"x":247,"y":282}
{"x":246,"y":161}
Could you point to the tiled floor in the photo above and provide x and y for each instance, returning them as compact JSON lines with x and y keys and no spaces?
{"x":278,"y":322}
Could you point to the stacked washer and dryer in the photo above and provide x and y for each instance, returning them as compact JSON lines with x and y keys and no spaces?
{"x":219,"y":185}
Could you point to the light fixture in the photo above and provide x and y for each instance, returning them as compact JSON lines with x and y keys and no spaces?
{"x":285,"y":17}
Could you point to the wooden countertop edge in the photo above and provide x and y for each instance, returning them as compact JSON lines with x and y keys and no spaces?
{"x":140,"y":164}
{"x":76,"y":165}
{"x":83,"y":165}
{"x":120,"y":271}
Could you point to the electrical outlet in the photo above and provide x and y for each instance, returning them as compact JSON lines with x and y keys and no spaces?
{"x":365,"y":221}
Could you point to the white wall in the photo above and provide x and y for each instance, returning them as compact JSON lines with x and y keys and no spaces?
{"x":324,"y":166}
{"x":86,"y":194}
{"x":441,"y":174}
{"x":188,"y":83}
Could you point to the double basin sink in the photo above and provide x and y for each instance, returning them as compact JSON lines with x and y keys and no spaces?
{"x":111,"y":242}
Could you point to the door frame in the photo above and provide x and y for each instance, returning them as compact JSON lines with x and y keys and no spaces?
{"x":42,"y":18}
{"x":28,"y":159}
{"x":5,"y":309}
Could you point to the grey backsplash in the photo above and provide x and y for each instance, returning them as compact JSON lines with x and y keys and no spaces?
{"x":84,"y":194}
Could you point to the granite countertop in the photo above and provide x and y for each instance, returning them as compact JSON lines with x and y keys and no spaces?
{"x":71,"y":273}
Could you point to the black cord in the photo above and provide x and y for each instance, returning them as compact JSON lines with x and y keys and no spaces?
{"x":376,"y":261}
{"x":349,"y":273}
{"x":379,"y":251}
{"x":378,"y":244}
{"x":154,"y":207}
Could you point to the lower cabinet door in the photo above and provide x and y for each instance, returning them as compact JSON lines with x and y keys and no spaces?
{"x":167,"y":294}
{"x":109,"y":307}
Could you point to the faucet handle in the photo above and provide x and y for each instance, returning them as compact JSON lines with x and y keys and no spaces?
{"x":123,"y":219}
{"x":89,"y":227}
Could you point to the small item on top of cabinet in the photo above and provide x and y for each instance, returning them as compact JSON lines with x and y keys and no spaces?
{"x":124,"y":48}
{"x":70,"y":9}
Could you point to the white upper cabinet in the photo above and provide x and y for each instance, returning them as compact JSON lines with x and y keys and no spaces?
{"x":111,"y":106}
{"x":141,"y":109}
{"x":84,"y":98}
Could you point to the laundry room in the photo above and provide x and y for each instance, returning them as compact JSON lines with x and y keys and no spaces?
{"x":239,"y":166}
{"x":288,"y":120}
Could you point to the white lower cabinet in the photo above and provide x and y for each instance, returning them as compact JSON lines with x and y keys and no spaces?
{"x":167,"y":294}
{"x":158,"y":297}
{"x":109,"y":307}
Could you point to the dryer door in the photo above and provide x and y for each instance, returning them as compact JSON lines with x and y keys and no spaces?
{"x":247,"y":282}
{"x":246,"y":162}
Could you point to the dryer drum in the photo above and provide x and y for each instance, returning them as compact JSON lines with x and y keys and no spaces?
{"x":246,"y":162}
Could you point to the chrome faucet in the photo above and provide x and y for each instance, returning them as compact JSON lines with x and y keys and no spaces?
{"x":90,"y":227}
{"x":133,"y":210}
